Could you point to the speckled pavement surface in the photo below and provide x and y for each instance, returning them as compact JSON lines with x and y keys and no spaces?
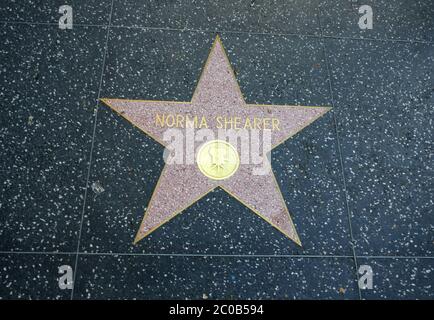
{"x":76,"y":178}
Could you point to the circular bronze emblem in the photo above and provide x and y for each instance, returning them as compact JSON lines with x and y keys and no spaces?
{"x":217,"y":159}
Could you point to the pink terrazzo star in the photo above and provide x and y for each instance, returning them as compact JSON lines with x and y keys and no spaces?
{"x":181,"y":185}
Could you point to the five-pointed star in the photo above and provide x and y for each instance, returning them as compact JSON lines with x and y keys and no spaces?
{"x":180,"y":185}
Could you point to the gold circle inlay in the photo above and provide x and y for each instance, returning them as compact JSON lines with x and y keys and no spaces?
{"x":217,"y":159}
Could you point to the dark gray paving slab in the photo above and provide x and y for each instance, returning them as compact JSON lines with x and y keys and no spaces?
{"x":407,"y":279}
{"x":277,"y":16}
{"x":398,"y":19}
{"x":167,"y":277}
{"x":127,"y":163}
{"x":384,"y":96}
{"x":48,"y":90}
{"x":33,"y":276}
{"x":279,"y":69}
{"x":154,"y":64}
{"x":40,"y":11}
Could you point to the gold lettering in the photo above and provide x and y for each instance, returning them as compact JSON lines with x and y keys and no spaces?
{"x":189,"y":123}
{"x":159,"y":120}
{"x":203,"y":123}
{"x":219,"y":122}
{"x":228,"y":121}
{"x":247,"y":124}
{"x":256,"y":123}
{"x":179,"y":121}
{"x":275,"y":124}
{"x":170,"y":120}
{"x":266,"y":123}
{"x":237,"y":122}
{"x":222,"y":122}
